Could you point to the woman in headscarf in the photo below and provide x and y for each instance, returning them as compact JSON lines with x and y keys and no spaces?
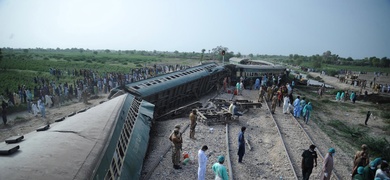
{"x":328,"y":165}
{"x":307,"y":111}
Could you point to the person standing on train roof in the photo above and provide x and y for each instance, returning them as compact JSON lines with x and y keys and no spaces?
{"x":241,"y":144}
{"x":328,"y":164}
{"x":192,"y":124}
{"x":309,"y":160}
{"x":202,"y":161}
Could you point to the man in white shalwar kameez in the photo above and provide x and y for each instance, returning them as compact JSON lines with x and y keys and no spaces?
{"x":202,"y":161}
{"x":49,"y":102}
{"x":35,"y":109}
{"x":286,"y":101}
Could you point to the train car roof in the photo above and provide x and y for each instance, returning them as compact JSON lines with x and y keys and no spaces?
{"x":159,"y":83}
{"x":264,"y":68}
{"x":68,"y":150}
{"x":246,"y":61}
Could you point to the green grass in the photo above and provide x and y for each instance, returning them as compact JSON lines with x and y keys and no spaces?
{"x":352,"y":68}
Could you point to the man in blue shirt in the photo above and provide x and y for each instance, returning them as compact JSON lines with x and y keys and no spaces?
{"x":241,"y":144}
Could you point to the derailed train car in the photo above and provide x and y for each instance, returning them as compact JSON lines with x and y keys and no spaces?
{"x":170,"y":91}
{"x":108,"y":141}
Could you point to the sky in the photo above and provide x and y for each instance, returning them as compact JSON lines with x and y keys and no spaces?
{"x":349,"y":28}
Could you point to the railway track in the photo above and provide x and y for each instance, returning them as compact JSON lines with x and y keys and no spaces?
{"x":296,"y":140}
{"x":266,"y":160}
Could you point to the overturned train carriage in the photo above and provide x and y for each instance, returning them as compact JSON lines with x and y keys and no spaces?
{"x":108,"y":141}
{"x":170,"y":91}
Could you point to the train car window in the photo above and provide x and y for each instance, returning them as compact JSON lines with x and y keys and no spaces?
{"x":136,"y":87}
{"x":158,"y":81}
{"x":177,"y":75}
{"x":173,"y":77}
{"x":148,"y":84}
{"x":168,"y":78}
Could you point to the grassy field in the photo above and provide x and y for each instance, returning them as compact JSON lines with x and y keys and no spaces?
{"x":352,"y":68}
{"x":19,"y":67}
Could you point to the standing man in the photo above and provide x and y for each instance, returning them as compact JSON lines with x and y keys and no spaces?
{"x":238,"y":88}
{"x":361,"y":159}
{"x":368,"y":116}
{"x":297,"y":107}
{"x":309,"y":157}
{"x":193,"y":124}
{"x":241,"y":144}
{"x":328,"y":165}
{"x":4,"y":106}
{"x":306,"y":112}
{"x":220,"y":170}
{"x":177,"y":142}
{"x":286,"y":101}
{"x":42,"y":108}
{"x":273,"y":105}
{"x":202,"y":161}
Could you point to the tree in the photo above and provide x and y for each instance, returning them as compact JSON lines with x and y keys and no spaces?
{"x":316,"y":61}
{"x":81,"y":50}
{"x":25,"y":50}
{"x":374,"y":61}
{"x":216,"y":53}
{"x":1,"y":56}
{"x":238,"y":54}
{"x":95,"y":52}
{"x":250,"y":55}
{"x":384,"y":62}
{"x":107,"y":51}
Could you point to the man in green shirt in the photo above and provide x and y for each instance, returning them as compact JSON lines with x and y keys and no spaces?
{"x":220,"y":170}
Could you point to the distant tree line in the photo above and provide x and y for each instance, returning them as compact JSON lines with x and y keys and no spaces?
{"x":334,"y":59}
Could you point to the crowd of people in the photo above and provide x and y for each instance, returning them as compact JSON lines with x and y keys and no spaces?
{"x":57,"y":89}
{"x":281,"y":94}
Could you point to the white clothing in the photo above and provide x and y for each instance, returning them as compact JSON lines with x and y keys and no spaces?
{"x":381,"y":174}
{"x":286,"y":101}
{"x":35,"y":109}
{"x":202,"y":161}
{"x":49,"y":102}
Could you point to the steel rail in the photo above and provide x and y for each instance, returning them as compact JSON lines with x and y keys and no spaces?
{"x":334,"y":171}
{"x":165,"y":151}
{"x":229,"y":163}
{"x":284,"y":145}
